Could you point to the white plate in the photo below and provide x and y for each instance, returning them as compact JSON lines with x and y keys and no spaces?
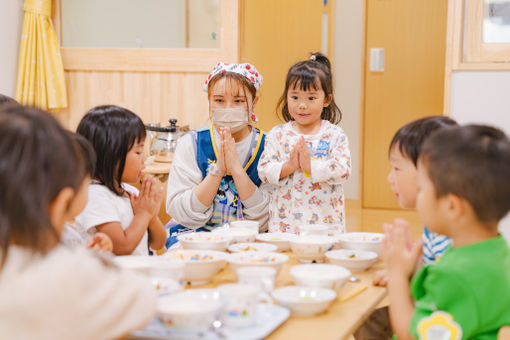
{"x":268,"y":319}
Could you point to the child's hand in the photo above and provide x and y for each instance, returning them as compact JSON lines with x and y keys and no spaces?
{"x":304,"y":156}
{"x":149,"y":199}
{"x":399,"y":252}
{"x":101,"y":242}
{"x":380,"y":278}
{"x":230,"y":152}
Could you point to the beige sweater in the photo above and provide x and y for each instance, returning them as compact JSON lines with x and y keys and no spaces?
{"x":70,"y":294}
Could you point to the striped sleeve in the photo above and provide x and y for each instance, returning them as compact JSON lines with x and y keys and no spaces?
{"x":434,"y":245}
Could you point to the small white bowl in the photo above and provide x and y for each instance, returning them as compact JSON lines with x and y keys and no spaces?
{"x":137,"y":263}
{"x":259,"y":259}
{"x":253,"y":225}
{"x":320,"y":275}
{"x":311,"y":247}
{"x":165,"y":286}
{"x":281,"y":240}
{"x":204,"y":240}
{"x":354,"y":260}
{"x":238,"y":234}
{"x":362,"y":241}
{"x":200,"y":265}
{"x":189,"y":310}
{"x":252,"y":246}
{"x":313,"y":229}
{"x":304,"y":301}
{"x":154,"y":266}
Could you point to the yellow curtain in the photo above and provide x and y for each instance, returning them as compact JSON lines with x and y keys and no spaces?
{"x":41,"y":80}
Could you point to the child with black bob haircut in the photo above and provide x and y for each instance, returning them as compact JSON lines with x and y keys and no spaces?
{"x":463,"y":192}
{"x":128,"y":216}
{"x":48,"y":291}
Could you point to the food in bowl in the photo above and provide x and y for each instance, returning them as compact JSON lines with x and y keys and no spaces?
{"x":238,"y":235}
{"x":189,"y":310}
{"x":304,"y":301}
{"x":362,"y":241}
{"x":354,"y":260}
{"x":199,"y":265}
{"x":252,"y":246}
{"x":311,"y":248}
{"x":204,"y":240}
{"x":281,"y":240}
{"x":320,"y":275}
{"x":260,"y":259}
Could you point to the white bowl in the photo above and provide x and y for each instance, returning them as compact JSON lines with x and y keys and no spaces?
{"x":304,"y":301}
{"x":259,"y":259}
{"x":313,"y":229}
{"x":238,"y":234}
{"x":165,"y":286}
{"x":204,"y":240}
{"x":354,"y":260}
{"x":189,"y":310}
{"x":311,"y":247}
{"x":253,"y":225}
{"x":200,"y":265}
{"x":281,"y":240}
{"x":155,"y":266}
{"x":320,"y":275}
{"x":252,"y":246}
{"x":362,"y":241}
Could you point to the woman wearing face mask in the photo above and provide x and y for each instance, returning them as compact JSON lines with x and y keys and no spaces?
{"x":214,"y":177}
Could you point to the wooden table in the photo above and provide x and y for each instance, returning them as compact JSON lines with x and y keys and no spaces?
{"x":354,"y":304}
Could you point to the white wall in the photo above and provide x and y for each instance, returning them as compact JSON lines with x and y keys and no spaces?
{"x":347,"y":73}
{"x":482,"y":97}
{"x":11,"y":20}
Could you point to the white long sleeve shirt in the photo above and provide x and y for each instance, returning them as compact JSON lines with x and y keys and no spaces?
{"x":70,"y":294}
{"x":300,"y":199}
{"x":183,"y":204}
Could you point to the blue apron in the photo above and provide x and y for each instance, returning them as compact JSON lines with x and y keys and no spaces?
{"x":226,"y":205}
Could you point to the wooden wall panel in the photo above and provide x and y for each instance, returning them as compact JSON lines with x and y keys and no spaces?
{"x":154,"y":96}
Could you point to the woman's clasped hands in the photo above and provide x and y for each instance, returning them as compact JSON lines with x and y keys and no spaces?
{"x":228,"y":159}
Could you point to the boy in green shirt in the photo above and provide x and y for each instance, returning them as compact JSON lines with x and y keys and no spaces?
{"x":463,"y":192}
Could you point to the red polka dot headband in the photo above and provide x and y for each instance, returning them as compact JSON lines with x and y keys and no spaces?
{"x":247,"y":70}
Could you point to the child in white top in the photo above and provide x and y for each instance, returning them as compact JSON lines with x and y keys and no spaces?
{"x":128,"y":217}
{"x":308,"y":158}
{"x":47,"y":290}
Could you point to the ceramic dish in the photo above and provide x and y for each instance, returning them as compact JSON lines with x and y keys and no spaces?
{"x":311,"y":248}
{"x":320,"y":275}
{"x":253,"y":225}
{"x":238,"y":235}
{"x":313,"y":229}
{"x":165,"y":286}
{"x":155,"y":266}
{"x":354,"y":260}
{"x":193,"y":309}
{"x":362,"y":241}
{"x":199,"y":265}
{"x":252,"y":246}
{"x":304,"y":301}
{"x":259,"y":259}
{"x":281,"y":240}
{"x":204,"y":240}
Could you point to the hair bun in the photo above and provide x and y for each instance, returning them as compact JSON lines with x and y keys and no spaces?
{"x":321,"y":58}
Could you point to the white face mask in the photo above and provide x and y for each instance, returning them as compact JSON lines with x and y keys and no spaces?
{"x":234,"y":118}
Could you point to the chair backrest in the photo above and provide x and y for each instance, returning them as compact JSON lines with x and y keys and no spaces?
{"x":504,"y":333}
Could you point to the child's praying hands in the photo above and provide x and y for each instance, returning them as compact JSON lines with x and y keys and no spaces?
{"x":149,"y":199}
{"x":304,"y":156}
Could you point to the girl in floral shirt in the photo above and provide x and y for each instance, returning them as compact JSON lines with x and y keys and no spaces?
{"x":307,"y":159}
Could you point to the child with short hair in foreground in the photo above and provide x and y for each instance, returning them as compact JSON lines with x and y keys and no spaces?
{"x":48,"y":291}
{"x":463,"y":192}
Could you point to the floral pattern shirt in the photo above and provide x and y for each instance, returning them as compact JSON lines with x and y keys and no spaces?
{"x":315,"y":198}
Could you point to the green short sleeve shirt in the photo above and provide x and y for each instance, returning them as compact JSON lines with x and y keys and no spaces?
{"x":465,"y":294}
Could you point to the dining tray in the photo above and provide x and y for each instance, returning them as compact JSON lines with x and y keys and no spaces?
{"x":269,"y":317}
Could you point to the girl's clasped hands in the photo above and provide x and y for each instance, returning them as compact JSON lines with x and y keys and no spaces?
{"x":149,"y":198}
{"x":300,"y":158}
